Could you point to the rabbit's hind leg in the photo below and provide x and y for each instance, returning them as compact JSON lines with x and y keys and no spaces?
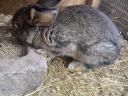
{"x":100,"y":54}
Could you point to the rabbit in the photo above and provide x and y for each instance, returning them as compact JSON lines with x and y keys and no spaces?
{"x":79,"y":32}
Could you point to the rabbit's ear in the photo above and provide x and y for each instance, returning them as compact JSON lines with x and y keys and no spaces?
{"x":44,"y":18}
{"x":32,"y":13}
{"x":48,"y":3}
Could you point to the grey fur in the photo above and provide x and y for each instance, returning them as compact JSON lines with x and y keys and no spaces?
{"x":83,"y":33}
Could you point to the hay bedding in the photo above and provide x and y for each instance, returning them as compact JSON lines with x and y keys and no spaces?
{"x":8,"y":47}
{"x":106,"y":81}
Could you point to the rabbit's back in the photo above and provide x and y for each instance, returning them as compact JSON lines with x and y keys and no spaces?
{"x":84,"y":24}
{"x":85,"y":34}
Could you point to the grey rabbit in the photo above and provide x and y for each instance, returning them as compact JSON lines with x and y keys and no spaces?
{"x":79,"y":32}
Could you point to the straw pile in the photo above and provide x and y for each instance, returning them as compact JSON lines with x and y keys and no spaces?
{"x":105,"y":81}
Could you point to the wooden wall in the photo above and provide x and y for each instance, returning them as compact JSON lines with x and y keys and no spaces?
{"x":10,"y":6}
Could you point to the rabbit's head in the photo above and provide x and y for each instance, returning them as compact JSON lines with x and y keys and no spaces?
{"x":27,"y":20}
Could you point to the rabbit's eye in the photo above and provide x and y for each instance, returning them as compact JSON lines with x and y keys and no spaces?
{"x":15,"y":26}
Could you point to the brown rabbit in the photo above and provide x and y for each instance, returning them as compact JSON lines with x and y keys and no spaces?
{"x":79,"y":32}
